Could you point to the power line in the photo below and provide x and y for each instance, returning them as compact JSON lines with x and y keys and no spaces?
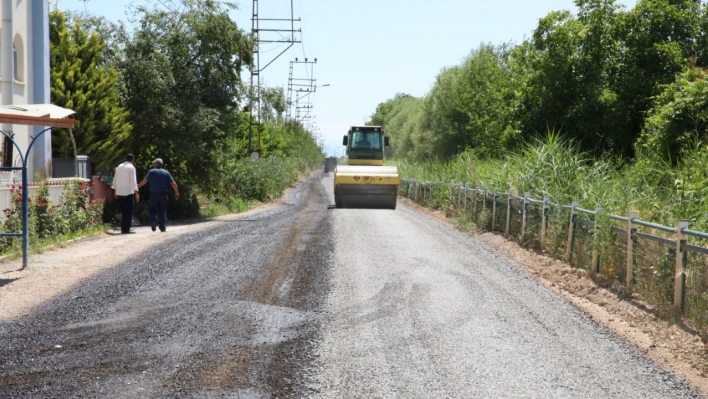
{"x":261,"y":36}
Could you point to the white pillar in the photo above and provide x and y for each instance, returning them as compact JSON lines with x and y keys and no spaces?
{"x":6,"y":74}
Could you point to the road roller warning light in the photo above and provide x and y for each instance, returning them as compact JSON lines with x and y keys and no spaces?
{"x":364,"y":182}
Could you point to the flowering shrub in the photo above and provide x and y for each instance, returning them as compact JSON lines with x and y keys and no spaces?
{"x":13,"y":219}
{"x":77,"y":210}
{"x":76,"y":213}
{"x":46,"y":222}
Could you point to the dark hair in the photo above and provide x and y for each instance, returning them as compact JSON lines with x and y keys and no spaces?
{"x":130,"y":157}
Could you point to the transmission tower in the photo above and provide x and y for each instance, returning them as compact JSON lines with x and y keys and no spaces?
{"x":300,"y":84}
{"x":271,"y":33}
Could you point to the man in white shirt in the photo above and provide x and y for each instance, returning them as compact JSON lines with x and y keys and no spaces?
{"x":125,"y":190}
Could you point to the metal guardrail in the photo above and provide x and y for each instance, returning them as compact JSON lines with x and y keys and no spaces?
{"x":654,"y":226}
{"x":496,"y":200}
{"x":694,"y":233}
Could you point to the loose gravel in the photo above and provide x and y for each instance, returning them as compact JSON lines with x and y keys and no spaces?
{"x":419,"y":310}
{"x":229,"y":311}
{"x":308,"y":301}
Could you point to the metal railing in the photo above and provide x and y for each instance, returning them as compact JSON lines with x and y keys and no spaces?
{"x":478,"y":201}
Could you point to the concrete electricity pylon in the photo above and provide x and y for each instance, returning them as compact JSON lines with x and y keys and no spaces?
{"x":265,"y":31}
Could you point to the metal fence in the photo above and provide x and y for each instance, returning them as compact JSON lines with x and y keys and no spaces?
{"x":667,"y":265}
{"x":56,"y":188}
{"x":79,"y":167}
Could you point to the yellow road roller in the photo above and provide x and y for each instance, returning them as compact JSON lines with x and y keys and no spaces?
{"x":364,"y":182}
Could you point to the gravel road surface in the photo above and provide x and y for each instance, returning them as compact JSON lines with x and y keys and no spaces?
{"x":308,"y":301}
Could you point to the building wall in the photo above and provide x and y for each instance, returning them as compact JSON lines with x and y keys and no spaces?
{"x":39,"y":36}
{"x":32,"y":81}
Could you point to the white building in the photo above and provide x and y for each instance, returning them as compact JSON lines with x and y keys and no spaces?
{"x":24,"y":76}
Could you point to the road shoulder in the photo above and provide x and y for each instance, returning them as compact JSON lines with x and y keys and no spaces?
{"x":672,"y":346}
{"x":59,"y":269}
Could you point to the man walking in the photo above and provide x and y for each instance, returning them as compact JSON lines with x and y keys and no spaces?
{"x":159,"y":180}
{"x":125,"y":190}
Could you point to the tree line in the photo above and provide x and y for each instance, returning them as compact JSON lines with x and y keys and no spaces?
{"x":618,"y":82}
{"x":168,"y":85}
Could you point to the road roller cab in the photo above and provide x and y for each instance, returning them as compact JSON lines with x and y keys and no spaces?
{"x":364,"y":182}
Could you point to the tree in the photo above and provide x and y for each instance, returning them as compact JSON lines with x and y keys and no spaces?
{"x":572,"y":68}
{"x":679,"y":119}
{"x":659,"y":38}
{"x":80,"y":82}
{"x":400,"y":117}
{"x":182,"y":84}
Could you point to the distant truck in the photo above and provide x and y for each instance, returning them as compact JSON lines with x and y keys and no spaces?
{"x":329,"y":164}
{"x":364,"y":182}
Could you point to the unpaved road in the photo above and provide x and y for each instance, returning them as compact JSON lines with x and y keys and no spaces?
{"x":307,"y":301}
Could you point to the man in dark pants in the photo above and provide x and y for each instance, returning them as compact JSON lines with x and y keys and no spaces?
{"x":159,"y":180}
{"x":125,"y":190}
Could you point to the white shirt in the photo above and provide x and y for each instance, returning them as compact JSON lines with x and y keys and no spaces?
{"x":125,"y":182}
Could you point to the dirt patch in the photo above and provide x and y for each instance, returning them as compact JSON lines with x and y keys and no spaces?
{"x":58,"y":270}
{"x":666,"y":340}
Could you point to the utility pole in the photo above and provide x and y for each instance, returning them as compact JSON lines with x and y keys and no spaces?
{"x":300,"y":84}
{"x":265,"y":35}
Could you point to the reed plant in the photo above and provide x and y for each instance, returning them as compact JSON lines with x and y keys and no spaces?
{"x":556,"y":167}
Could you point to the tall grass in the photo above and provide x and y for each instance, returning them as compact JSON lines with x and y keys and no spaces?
{"x":556,"y":167}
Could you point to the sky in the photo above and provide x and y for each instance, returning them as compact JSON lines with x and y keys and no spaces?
{"x":369,"y":50}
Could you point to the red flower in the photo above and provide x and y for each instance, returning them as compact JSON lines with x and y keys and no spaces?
{"x":53,"y":212}
{"x":7,"y":224}
{"x":18,"y":200}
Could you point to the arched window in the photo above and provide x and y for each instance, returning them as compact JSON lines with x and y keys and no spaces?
{"x":18,"y":59}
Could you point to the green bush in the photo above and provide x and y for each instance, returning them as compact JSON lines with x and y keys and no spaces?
{"x":187,"y":207}
{"x":260,"y":180}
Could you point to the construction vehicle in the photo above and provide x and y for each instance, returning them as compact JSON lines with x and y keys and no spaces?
{"x":364,"y":182}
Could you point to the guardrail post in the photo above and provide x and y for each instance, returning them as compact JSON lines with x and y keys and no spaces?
{"x":484,"y":202}
{"x":507,"y":228}
{"x":571,"y":230}
{"x":476,"y":191}
{"x":595,"y":266}
{"x":544,"y":220}
{"x":465,"y":196}
{"x":494,"y":208}
{"x":523,"y":215}
{"x":630,"y":249}
{"x":449,"y":192}
{"x":681,"y":259}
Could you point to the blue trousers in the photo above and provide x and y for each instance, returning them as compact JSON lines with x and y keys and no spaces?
{"x":157,"y":209}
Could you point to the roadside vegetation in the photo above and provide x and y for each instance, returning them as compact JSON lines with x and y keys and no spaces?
{"x":169,"y":85}
{"x":554,"y":166}
{"x":49,"y":223}
{"x":606,"y":106}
